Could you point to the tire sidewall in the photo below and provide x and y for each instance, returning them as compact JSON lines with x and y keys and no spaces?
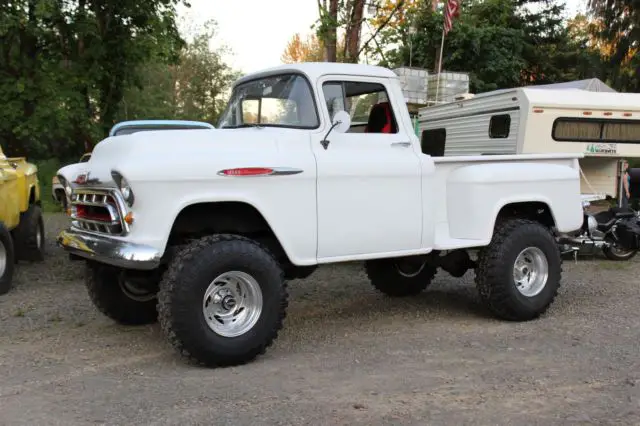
{"x":187,"y":304}
{"x":537,"y":237}
{"x":6,"y":279}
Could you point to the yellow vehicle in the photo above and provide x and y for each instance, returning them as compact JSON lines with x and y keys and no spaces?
{"x":20,"y":216}
{"x":8,"y":198}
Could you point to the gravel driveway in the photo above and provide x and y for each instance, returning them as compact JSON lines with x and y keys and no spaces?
{"x":347,"y":355}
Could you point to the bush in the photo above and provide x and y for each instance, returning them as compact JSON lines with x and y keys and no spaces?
{"x":46,"y":171}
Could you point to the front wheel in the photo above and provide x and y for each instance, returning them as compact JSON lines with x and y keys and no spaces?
{"x":518,"y":274}
{"x":223,"y":300}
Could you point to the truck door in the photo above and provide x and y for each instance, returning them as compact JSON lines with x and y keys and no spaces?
{"x":369,"y":179}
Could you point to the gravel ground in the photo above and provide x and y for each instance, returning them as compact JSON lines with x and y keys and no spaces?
{"x":347,"y":355}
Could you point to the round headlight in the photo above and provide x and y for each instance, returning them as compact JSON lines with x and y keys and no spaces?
{"x":125,"y":189}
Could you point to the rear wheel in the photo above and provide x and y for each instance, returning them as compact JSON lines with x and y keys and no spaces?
{"x":223,"y":300}
{"x":399,"y":277}
{"x":613,"y":252}
{"x":29,"y":235}
{"x":7,"y":260}
{"x":518,"y":274}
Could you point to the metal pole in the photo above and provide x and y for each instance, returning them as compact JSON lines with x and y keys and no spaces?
{"x":439,"y":67}
{"x":620,"y":183}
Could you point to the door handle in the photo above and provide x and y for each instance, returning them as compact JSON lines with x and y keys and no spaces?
{"x":403,"y":144}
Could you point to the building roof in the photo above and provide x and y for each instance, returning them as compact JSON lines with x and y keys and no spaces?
{"x":314,"y":70}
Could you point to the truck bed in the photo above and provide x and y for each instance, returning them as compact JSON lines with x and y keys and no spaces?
{"x":475,"y":188}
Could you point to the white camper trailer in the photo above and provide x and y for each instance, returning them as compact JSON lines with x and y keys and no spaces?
{"x":605,"y":126}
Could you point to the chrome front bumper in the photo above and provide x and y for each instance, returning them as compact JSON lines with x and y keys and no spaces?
{"x":108,"y":250}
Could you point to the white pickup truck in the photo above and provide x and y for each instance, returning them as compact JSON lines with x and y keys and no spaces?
{"x":311,"y":164}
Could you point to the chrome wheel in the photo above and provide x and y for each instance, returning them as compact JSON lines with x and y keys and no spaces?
{"x":531,"y":271}
{"x":232,"y":304}
{"x":3,"y":259}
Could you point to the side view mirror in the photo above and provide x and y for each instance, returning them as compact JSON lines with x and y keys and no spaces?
{"x":341,"y":121}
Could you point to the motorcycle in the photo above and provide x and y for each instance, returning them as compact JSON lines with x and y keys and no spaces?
{"x":614,"y":232}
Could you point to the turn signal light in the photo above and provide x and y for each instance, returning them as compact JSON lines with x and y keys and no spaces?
{"x":129,"y":218}
{"x":247,"y":171}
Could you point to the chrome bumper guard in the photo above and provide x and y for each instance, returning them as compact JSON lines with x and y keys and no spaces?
{"x":108,"y":250}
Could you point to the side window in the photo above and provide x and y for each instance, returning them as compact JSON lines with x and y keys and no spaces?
{"x":433,"y":142}
{"x":499,"y":126}
{"x":367,"y":104}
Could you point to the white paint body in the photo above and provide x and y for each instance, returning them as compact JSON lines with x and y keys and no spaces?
{"x":532,"y":113}
{"x":362,"y":198}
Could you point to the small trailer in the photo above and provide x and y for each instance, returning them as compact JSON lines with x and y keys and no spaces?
{"x":604,"y":126}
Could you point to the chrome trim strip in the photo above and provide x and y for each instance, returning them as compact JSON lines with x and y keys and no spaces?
{"x":277,"y":171}
{"x":109,"y":250}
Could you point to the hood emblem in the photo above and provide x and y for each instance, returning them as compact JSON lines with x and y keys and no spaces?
{"x":82,"y":178}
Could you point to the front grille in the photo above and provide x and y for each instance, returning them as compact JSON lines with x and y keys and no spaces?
{"x":98,"y":211}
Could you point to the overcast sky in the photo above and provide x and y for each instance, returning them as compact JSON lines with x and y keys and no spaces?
{"x":258,"y":32}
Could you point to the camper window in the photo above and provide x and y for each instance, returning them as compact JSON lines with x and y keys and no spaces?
{"x":569,"y":129}
{"x":499,"y":126}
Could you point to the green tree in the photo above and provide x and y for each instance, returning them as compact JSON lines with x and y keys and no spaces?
{"x":498,"y":42}
{"x":194,"y":88}
{"x":619,"y":25}
{"x":65,"y":65}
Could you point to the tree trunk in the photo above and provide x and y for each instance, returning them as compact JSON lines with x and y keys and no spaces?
{"x":332,"y":34}
{"x":353,"y":32}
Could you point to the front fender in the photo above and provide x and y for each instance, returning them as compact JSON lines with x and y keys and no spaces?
{"x":289,"y":209}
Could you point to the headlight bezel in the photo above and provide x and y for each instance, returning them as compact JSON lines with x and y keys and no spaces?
{"x":124,"y":187}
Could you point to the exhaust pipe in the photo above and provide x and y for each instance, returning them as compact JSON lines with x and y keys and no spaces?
{"x":582,"y":242}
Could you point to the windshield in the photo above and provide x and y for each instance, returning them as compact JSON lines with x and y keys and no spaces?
{"x":278,"y":101}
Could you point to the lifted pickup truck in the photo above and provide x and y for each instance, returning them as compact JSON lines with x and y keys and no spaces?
{"x":21,"y":224}
{"x":310,"y":164}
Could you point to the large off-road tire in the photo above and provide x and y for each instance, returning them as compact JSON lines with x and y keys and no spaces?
{"x":118,"y":297}
{"x":7,"y":260}
{"x":519,"y":273}
{"x":29,"y":235}
{"x":400,"y":277}
{"x":223,"y":300}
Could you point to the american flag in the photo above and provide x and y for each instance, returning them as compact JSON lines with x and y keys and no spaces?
{"x":451,"y":10}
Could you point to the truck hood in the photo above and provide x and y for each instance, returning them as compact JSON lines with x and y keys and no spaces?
{"x":158,"y":155}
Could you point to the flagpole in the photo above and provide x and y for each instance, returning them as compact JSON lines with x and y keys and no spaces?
{"x":439,"y":66}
